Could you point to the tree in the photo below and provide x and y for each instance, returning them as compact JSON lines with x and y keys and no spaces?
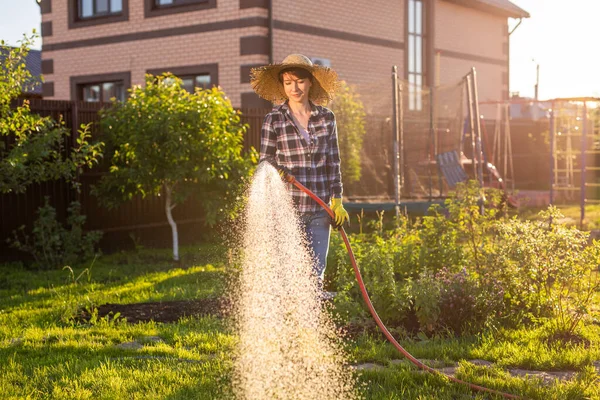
{"x":34,"y":147}
{"x":350,"y":116}
{"x":166,"y":141}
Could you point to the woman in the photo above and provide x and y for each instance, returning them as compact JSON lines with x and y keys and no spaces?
{"x":301,"y":135}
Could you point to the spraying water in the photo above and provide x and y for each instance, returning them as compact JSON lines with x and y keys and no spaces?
{"x":288,"y":347}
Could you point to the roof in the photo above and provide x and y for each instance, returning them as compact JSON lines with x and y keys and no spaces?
{"x":499,"y":7}
{"x":33,"y":62}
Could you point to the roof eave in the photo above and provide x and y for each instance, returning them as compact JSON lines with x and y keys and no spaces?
{"x":514,"y":12}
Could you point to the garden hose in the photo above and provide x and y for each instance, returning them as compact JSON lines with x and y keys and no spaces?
{"x":292,"y":180}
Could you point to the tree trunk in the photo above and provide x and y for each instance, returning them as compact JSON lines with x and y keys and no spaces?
{"x":168,"y":208}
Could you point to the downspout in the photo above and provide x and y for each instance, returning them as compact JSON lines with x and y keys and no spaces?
{"x":271,"y":57}
{"x":516,"y":26}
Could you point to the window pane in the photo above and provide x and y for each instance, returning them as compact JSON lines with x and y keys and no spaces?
{"x":188,"y":84}
{"x":120,"y":91}
{"x":418,"y":17}
{"x":91,"y":93}
{"x":163,"y":2}
{"x":108,"y":91}
{"x":411,"y":53}
{"x":168,"y":81}
{"x":116,"y":6}
{"x":418,"y":54}
{"x":101,"y":6}
{"x":85,"y":8}
{"x":203,"y":81}
{"x":411,"y":16}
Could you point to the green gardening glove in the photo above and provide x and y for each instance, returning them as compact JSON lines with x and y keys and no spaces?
{"x":341,"y":215}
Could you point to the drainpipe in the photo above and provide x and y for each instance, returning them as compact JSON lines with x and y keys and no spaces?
{"x":516,"y":26}
{"x":271,"y":31}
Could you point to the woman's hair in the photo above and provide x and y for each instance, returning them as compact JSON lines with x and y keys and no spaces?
{"x":299,"y":73}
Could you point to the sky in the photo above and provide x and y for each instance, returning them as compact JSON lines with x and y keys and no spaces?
{"x":561,"y":38}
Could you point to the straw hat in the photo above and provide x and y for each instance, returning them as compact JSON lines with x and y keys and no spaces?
{"x":265,"y":80}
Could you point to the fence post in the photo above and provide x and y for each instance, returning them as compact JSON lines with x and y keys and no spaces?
{"x":583,"y":161}
{"x":552,"y":160}
{"x":396,"y":141}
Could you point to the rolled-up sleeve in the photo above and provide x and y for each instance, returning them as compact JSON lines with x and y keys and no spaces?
{"x":334,"y":173}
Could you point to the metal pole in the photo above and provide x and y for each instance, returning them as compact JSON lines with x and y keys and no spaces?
{"x":434,"y":134}
{"x":509,"y":149}
{"x":583,"y":160}
{"x":471,"y":123}
{"x":552,"y":146}
{"x":477,"y":121}
{"x":430,"y":144}
{"x":396,"y":141}
{"x":402,"y":155}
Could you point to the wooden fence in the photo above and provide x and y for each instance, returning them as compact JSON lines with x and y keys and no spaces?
{"x":145,"y":218}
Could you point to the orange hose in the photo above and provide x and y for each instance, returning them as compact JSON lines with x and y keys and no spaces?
{"x":291,"y":179}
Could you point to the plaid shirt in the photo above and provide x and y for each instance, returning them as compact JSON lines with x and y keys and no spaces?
{"x":316,"y":165}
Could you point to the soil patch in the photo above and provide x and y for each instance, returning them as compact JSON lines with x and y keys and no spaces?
{"x":562,"y":338}
{"x":165,"y":311}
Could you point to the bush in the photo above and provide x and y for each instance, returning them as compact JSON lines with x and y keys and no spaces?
{"x":461,"y":271}
{"x":54,"y":246}
{"x":456,"y":302}
{"x":31,"y":146}
{"x":548,"y":270}
{"x":350,"y":118}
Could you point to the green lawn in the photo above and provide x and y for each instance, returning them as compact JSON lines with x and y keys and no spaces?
{"x":572,"y":213}
{"x":46,"y":352}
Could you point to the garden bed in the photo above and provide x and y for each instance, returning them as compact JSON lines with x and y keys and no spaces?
{"x":164,"y":312}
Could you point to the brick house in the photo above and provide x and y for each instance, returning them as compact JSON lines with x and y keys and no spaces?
{"x":95,"y":49}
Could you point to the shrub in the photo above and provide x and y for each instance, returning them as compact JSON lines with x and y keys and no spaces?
{"x":31,"y":146}
{"x":350,"y":118}
{"x":164,"y":141}
{"x":462,"y":271}
{"x":455,"y":302}
{"x":51,"y":244}
{"x":548,"y":270}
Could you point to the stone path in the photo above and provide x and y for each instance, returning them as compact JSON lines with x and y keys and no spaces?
{"x":546,"y":377}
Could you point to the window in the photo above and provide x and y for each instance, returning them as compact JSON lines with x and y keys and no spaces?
{"x":98,"y":8}
{"x":168,"y":3}
{"x":415,"y":58}
{"x":102,"y":92}
{"x":155,"y":8}
{"x":100,"y":88}
{"x":194,"y":76}
{"x":84,"y":13}
{"x":191,"y":82}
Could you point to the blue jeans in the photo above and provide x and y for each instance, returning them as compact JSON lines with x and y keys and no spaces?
{"x":317,"y":228}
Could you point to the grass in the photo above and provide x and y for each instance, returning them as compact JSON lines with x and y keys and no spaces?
{"x":45,"y":352}
{"x":572,"y":213}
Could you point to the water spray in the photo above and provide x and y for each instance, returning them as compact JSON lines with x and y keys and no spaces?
{"x":288,"y":177}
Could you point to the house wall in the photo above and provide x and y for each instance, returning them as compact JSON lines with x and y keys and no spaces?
{"x":466,"y":38}
{"x":362,"y":44}
{"x":123,"y":46}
